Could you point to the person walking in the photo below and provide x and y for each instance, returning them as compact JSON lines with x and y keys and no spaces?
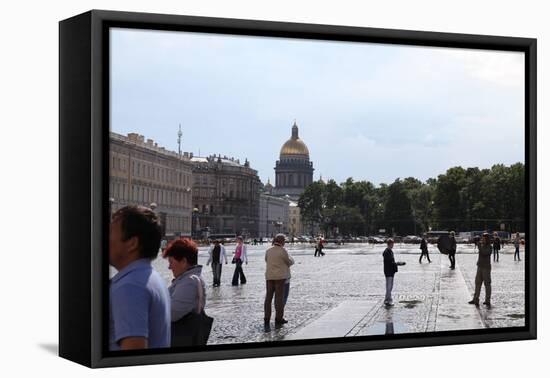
{"x":277,"y":271}
{"x":424,"y":249}
{"x":452,"y":250}
{"x":216,"y":256}
{"x":319,"y":247}
{"x":517,"y":243}
{"x":390,"y":268}
{"x":238,"y":258}
{"x":186,"y":291}
{"x":139,"y":302}
{"x":496,"y":247}
{"x":483,"y":274}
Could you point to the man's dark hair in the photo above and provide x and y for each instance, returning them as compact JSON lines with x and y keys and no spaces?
{"x":183,"y":248}
{"x":143,"y":223}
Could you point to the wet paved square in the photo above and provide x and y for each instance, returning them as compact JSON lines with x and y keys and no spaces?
{"x":341,"y":294}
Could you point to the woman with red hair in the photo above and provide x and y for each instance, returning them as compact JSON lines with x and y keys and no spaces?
{"x":188,"y":286}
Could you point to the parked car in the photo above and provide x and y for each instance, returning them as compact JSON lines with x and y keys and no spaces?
{"x":412,"y":239}
{"x":376,"y":239}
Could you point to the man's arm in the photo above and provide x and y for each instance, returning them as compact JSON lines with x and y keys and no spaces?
{"x":130,"y":310}
{"x":288,"y":259}
{"x":130,"y":343}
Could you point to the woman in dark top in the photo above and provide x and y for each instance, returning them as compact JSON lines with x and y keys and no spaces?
{"x":496,"y":247}
{"x":390,"y":268}
{"x":452,"y":250}
{"x":424,"y":249}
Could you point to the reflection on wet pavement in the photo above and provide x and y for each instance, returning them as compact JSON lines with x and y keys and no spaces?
{"x":341,"y":294}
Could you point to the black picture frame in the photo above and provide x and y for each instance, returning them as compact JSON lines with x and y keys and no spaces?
{"x":83,"y":197}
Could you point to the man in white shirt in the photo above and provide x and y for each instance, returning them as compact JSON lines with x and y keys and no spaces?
{"x":216,"y":256}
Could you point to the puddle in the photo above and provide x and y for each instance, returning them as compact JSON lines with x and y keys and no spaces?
{"x":410,"y":304}
{"x":386,"y":328}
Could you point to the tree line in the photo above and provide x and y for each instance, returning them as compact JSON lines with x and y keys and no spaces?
{"x":461,"y":199}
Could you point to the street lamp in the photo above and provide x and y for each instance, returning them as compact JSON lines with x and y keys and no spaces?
{"x":195,"y":221}
{"x":111,"y":202}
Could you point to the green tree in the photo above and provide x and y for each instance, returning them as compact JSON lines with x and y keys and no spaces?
{"x":311,"y":202}
{"x":398,"y":211}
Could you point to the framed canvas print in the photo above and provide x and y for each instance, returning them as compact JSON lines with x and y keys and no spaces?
{"x":235,"y":188}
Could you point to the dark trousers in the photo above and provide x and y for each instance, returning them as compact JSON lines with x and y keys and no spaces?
{"x":277,"y":288}
{"x":217,"y":272}
{"x":495,"y":254}
{"x":516,"y":253}
{"x":238,"y":273}
{"x":319,"y":251}
{"x":452,"y":260}
{"x":483,"y":276}
{"x":424,"y":253}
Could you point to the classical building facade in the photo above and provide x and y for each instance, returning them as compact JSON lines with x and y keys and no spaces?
{"x":274,"y":215}
{"x":226,"y":196}
{"x":142,"y":173}
{"x":295,"y":225}
{"x":293,"y":170}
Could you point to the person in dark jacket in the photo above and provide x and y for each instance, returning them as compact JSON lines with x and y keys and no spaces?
{"x":424,"y":249}
{"x":496,"y":247}
{"x":216,"y":256}
{"x":517,"y":243}
{"x":483,"y":275}
{"x":452,"y":250}
{"x":390,"y":268}
{"x":319,"y":248}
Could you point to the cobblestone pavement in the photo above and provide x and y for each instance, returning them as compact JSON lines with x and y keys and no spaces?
{"x":346,"y":287}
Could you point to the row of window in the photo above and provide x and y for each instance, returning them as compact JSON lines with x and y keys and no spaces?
{"x":210,"y":209}
{"x":147,"y":195}
{"x":209,"y":193}
{"x":149,"y":171}
{"x":242,"y":185}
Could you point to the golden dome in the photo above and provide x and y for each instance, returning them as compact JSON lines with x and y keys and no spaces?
{"x":294,"y":146}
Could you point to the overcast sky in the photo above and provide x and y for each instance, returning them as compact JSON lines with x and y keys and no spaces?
{"x":368,"y":111}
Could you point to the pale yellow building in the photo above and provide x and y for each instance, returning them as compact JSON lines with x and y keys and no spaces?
{"x":295,"y":225}
{"x":142,"y":173}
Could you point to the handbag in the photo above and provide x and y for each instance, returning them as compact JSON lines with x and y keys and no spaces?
{"x":194,"y":328}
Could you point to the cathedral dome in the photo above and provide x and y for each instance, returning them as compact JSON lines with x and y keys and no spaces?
{"x":294,"y":146}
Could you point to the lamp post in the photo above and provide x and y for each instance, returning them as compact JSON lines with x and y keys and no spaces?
{"x":111,"y":202}
{"x":195,"y":221}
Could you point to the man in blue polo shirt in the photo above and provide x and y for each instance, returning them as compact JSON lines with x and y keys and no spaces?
{"x":139,"y":303}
